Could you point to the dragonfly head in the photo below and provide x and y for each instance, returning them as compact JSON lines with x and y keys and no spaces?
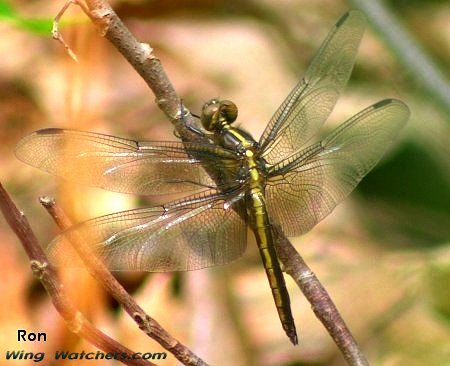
{"x":216,"y":112}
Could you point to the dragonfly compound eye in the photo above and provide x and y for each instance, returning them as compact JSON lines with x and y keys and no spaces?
{"x":210,"y":114}
{"x":229,"y":110}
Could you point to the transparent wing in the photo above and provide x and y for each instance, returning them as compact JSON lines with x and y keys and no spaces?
{"x":306,"y":187}
{"x":200,"y":231}
{"x":311,"y":101}
{"x":126,"y":166}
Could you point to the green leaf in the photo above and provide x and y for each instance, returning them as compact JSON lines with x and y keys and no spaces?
{"x":6,"y":11}
{"x":36,"y":26}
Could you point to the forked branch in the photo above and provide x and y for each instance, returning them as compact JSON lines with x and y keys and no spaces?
{"x":47,"y":275}
{"x":99,"y":271}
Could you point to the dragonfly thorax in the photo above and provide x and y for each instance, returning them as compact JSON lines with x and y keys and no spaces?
{"x":217,"y":117}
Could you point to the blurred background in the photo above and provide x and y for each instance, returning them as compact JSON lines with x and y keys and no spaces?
{"x":383,"y":254}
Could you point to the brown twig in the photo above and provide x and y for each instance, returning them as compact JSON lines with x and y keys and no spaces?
{"x":56,"y":34}
{"x":99,"y":271}
{"x":47,"y":275}
{"x":141,"y":57}
{"x":319,"y":299}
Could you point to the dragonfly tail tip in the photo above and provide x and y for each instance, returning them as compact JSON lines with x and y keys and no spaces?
{"x":292,"y":334}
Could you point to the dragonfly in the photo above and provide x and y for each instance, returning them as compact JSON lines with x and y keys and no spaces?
{"x":284,"y":178}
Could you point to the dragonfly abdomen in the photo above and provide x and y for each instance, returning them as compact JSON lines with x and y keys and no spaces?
{"x":260,"y":225}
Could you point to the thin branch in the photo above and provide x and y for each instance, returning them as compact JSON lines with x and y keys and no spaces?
{"x":56,"y":34}
{"x":141,"y":57}
{"x":319,"y":299}
{"x":47,"y":275}
{"x":101,"y":273}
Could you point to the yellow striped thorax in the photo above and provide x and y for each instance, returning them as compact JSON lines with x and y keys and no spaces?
{"x":217,"y":116}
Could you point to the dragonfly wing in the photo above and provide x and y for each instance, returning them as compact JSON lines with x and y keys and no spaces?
{"x":200,"y":231}
{"x":122,"y":165}
{"x":311,"y":101}
{"x":306,"y":187}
